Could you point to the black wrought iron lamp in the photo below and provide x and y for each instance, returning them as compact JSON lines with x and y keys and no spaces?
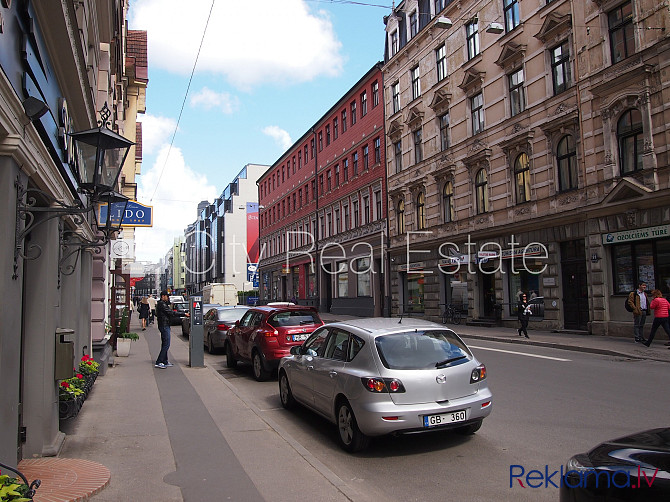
{"x":99,"y":157}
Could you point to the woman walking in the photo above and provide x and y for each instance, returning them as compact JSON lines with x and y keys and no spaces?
{"x":144,"y":312}
{"x":523,"y":313}
{"x":660,"y":307}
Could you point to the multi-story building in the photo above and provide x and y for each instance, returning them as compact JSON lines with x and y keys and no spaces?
{"x":323,"y":209}
{"x":527,"y":152}
{"x":179,"y":265}
{"x":61,"y":62}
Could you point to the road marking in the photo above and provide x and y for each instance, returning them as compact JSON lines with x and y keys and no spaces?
{"x":520,"y":353}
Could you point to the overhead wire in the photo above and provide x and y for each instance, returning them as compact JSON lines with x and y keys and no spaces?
{"x":190,"y":80}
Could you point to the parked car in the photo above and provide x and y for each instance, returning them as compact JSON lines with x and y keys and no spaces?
{"x":266,"y":334}
{"x":179,"y":311}
{"x":186,"y":320}
{"x":216,"y":323}
{"x":377,"y":376}
{"x":634,"y":467}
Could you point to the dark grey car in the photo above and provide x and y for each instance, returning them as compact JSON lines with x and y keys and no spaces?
{"x":216,"y":323}
{"x":186,"y":320}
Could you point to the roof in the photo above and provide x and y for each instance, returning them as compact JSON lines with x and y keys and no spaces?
{"x":378,"y":324}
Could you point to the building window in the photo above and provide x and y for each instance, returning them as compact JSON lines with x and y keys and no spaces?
{"x":313,"y":190}
{"x":364,"y":104}
{"x":311,"y":144}
{"x":353,"y":112}
{"x":629,"y":135}
{"x":366,"y":156}
{"x":511,"y":13}
{"x":322,"y":226}
{"x":400,"y":217}
{"x":363,"y":282}
{"x":395,"y":91}
{"x":354,"y":163}
{"x":472,"y":37}
{"x":342,"y":280}
{"x":335,"y":133}
{"x":448,"y":202}
{"x":329,"y":181}
{"x":356,"y":214}
{"x":366,"y":209}
{"x":397,"y":155}
{"x":421,"y":211}
{"x":415,"y":292}
{"x":477,"y":110}
{"x":327,"y":135}
{"x":375,"y":93}
{"x":306,"y":154}
{"x":481,"y":192}
{"x":321,"y":184}
{"x":344,"y":121}
{"x":337,"y":221}
{"x":441,"y":62}
{"x":622,"y":41}
{"x":337,"y":175}
{"x":378,"y":205}
{"x":293,"y":164}
{"x":641,"y":261}
{"x":394,"y":43}
{"x":300,"y":196}
{"x":439,"y":5}
{"x":345,"y":208}
{"x":320,"y":141}
{"x":444,"y":131}
{"x":566,"y":158}
{"x":522,"y":177}
{"x":283,"y":173}
{"x":413,"y":24}
{"x":416,"y":82}
{"x":378,"y":150}
{"x":418,"y":148}
{"x":516,"y":94}
{"x":560,"y":68}
{"x":345,"y":169}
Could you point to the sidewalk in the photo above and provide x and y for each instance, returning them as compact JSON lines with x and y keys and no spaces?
{"x":186,"y":434}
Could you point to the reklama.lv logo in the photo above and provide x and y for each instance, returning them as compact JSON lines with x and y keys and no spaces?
{"x":621,"y":478}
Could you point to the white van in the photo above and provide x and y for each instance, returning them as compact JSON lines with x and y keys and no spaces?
{"x":223,"y":293}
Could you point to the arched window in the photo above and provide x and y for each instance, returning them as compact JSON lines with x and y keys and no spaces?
{"x":421,"y":211}
{"x":566,"y":158}
{"x":448,"y":202}
{"x":481,"y":191}
{"x":629,"y":135}
{"x":522,"y":178}
{"x":400,"y":217}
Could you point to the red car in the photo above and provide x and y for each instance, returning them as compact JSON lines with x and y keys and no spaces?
{"x":266,"y":334}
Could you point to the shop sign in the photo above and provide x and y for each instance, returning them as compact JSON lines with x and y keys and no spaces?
{"x":637,"y":235}
{"x":527,"y":251}
{"x":412,"y":267}
{"x":453,"y":261}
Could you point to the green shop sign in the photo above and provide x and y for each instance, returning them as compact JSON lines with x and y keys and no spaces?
{"x":637,"y":235}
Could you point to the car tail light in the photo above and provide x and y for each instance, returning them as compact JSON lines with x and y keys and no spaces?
{"x":478,"y":374}
{"x":268,"y":332}
{"x":222,"y":327}
{"x":390,"y":385}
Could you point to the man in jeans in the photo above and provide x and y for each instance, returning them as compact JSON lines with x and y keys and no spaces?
{"x":164,"y":316}
{"x":639,"y":302}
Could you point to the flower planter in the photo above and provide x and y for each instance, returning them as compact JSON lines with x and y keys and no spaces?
{"x":69,"y":408}
{"x":123,"y":347}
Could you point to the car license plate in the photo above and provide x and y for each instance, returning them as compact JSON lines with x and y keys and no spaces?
{"x":301,"y":337}
{"x":444,"y":418}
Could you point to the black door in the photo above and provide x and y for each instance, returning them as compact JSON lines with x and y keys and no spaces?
{"x":575,"y":290}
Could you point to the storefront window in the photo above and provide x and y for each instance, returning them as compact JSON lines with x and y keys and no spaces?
{"x":641,"y":262}
{"x":296,"y":282}
{"x":363,"y":277}
{"x":342,"y":280}
{"x":415,"y":298}
{"x":311,"y":282}
{"x":526,"y":280}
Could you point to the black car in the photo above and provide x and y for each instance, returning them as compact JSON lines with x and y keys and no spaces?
{"x":217,"y":321}
{"x":179,"y":311}
{"x":631,"y":468}
{"x":186,"y":320}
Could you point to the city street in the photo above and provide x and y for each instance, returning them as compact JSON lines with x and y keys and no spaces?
{"x":548,"y":405}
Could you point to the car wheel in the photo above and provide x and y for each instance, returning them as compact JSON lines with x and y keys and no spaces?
{"x":210,"y":347}
{"x":260,"y":373}
{"x":285,"y":394}
{"x":469,"y":429}
{"x":350,"y":436}
{"x":231,"y":362}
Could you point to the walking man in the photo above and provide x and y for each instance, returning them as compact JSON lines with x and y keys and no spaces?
{"x":639,"y":302}
{"x":523,"y":314}
{"x":164,"y":316}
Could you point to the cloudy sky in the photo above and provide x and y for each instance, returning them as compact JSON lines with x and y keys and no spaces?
{"x":265,"y":72}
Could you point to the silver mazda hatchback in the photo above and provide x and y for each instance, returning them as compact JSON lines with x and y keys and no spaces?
{"x":381,"y":376}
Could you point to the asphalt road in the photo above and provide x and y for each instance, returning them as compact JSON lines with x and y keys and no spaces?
{"x":548,"y":405}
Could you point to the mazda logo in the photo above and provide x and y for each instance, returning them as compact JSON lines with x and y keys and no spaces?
{"x":441,"y":378}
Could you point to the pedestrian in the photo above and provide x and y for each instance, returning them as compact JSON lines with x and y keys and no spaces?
{"x":152,"y":308}
{"x":143,"y":309}
{"x":164,"y":316}
{"x":660,"y":307}
{"x":523,"y":314}
{"x":639,"y":303}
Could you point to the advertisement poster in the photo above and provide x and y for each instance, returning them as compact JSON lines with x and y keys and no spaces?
{"x":252,"y":232}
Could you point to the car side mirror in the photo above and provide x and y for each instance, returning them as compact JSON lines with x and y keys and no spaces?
{"x":237,"y":324}
{"x":295,"y":350}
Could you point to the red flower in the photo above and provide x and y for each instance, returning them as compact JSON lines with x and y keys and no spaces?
{"x":65,"y":385}
{"x":80,"y":376}
{"x":89,"y":363}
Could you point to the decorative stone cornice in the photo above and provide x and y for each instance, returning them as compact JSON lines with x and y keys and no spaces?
{"x":511,"y":54}
{"x":472,"y":80}
{"x":554,"y":24}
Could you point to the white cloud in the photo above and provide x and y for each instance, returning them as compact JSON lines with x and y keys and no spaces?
{"x":247,"y":42}
{"x":156,"y":131}
{"x":209,"y":99}
{"x":174,"y":200}
{"x":281,"y":137}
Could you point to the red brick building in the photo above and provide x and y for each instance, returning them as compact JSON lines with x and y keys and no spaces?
{"x":322,"y":210}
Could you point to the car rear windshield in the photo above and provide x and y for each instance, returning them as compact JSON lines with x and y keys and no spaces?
{"x":182,"y":307}
{"x":417,"y":350}
{"x":231,"y":315}
{"x":294,"y":318}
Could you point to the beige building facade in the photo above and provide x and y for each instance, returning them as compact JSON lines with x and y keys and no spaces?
{"x":527,"y":152}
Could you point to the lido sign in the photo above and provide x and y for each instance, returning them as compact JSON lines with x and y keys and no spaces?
{"x":135,"y":215}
